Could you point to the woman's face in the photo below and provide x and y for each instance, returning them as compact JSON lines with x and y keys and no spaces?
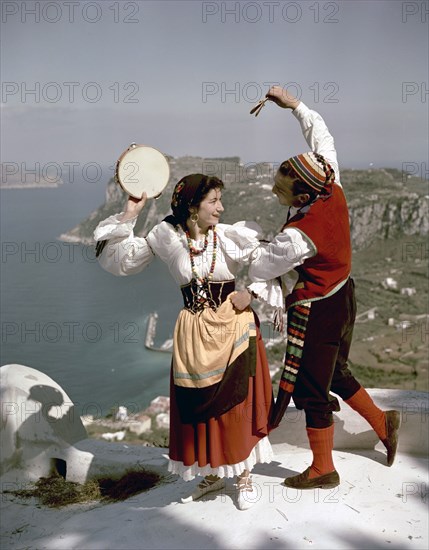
{"x":210,"y":209}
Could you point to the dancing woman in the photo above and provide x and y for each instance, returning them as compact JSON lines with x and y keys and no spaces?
{"x":220,"y":390}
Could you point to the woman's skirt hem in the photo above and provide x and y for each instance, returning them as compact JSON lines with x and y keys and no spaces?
{"x":261,"y":452}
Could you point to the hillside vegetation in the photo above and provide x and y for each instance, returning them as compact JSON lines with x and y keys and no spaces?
{"x":389,"y":226}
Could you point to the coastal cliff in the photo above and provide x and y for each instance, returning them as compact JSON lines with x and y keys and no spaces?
{"x":383,"y":203}
{"x":389,"y":225}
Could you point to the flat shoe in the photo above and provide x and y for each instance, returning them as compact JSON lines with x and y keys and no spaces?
{"x":393,"y":423}
{"x":206,"y":486}
{"x":301,"y":481}
{"x":245,"y":493}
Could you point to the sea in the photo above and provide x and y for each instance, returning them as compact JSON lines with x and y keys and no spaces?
{"x":63,"y":315}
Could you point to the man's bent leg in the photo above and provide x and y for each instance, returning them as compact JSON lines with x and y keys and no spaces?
{"x":385,"y":424}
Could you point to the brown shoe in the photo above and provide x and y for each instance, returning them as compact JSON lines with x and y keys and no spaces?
{"x":301,"y":481}
{"x":393,"y":423}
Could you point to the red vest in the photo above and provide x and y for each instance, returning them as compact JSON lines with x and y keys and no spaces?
{"x":326,"y":224}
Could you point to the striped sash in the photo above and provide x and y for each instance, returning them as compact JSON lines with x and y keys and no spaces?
{"x":296,"y":328}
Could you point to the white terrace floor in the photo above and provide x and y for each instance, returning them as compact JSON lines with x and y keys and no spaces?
{"x":374,"y":507}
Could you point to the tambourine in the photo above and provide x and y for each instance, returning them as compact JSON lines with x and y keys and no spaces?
{"x":140,"y":169}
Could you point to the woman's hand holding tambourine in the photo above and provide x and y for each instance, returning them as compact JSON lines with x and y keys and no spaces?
{"x":134,"y":207}
{"x":142,"y":172}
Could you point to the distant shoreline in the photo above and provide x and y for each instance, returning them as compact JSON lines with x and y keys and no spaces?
{"x":31,"y":186}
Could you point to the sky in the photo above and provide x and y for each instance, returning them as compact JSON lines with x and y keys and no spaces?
{"x":82,"y":80}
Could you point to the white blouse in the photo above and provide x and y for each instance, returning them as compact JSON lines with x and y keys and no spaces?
{"x":238,"y":244}
{"x":126,"y":254}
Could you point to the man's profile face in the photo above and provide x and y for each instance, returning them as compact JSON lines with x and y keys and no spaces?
{"x":283,"y":189}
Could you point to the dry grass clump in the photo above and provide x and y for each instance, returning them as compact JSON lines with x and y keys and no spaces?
{"x":54,"y":491}
{"x":130,"y":484}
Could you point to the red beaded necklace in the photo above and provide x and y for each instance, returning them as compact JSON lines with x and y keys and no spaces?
{"x":192,"y":249}
{"x":195,"y":252}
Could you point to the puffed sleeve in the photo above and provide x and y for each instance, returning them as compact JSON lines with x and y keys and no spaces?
{"x":164,"y":241}
{"x":124,"y":253}
{"x":241,"y":241}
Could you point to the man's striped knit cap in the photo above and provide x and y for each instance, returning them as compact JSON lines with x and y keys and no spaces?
{"x":312,"y":169}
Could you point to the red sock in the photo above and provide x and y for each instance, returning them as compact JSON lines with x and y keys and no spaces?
{"x":321,"y":444}
{"x":362,"y":403}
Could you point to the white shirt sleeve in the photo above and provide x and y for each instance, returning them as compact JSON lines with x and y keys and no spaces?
{"x":240,"y":240}
{"x":286,"y":251}
{"x":291,"y":248}
{"x":317,"y":136}
{"x":124,"y":253}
